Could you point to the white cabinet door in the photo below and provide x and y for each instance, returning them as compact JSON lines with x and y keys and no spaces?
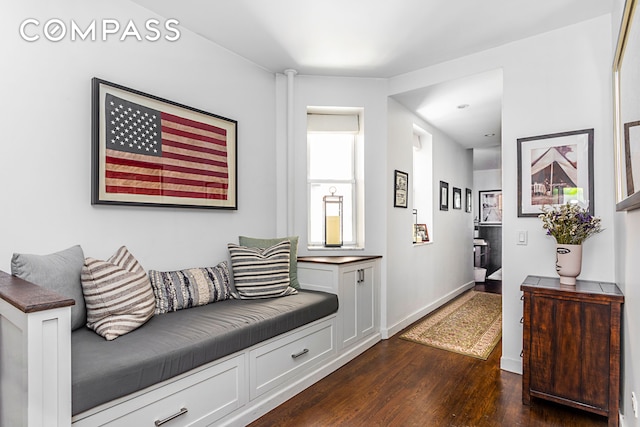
{"x":349,"y":305}
{"x":357,"y":302}
{"x":366,"y":301}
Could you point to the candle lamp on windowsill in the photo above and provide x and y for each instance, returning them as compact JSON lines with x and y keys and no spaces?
{"x":332,"y":219}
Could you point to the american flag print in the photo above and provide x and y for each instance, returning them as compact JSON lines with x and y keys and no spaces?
{"x":163,"y":156}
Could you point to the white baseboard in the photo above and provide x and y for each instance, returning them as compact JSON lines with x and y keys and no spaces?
{"x":511,"y":365}
{"x":387,"y":332}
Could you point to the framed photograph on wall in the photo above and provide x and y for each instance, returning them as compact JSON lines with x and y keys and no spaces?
{"x":468,"y":200}
{"x":150,"y":151}
{"x":444,"y":196}
{"x":627,"y":110}
{"x":632,"y":157}
{"x":490,"y":206}
{"x":555,"y":169}
{"x":457,"y":198}
{"x":400,"y":189}
{"x":420,"y":233}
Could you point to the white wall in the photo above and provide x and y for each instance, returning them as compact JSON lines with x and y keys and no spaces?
{"x":410,"y":288}
{"x":627,"y":276}
{"x":369,"y":94}
{"x":554,"y":82}
{"x":628,"y":272}
{"x":46,"y":143}
{"x":422,"y":277}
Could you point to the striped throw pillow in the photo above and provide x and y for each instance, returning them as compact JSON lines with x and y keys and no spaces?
{"x":175,"y":290}
{"x":253,"y":242}
{"x":118,"y":294}
{"x":261,"y":273}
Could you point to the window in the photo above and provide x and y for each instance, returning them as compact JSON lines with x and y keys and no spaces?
{"x":422,"y":184}
{"x":334,"y":150}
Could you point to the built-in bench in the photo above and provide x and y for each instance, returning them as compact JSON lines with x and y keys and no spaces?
{"x":225,"y":363}
{"x":174,"y":343}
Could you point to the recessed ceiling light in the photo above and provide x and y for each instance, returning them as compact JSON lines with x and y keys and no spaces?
{"x":463,"y":106}
{"x":489,"y":134}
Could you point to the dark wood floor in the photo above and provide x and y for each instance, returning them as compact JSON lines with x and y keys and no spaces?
{"x":493,"y":286}
{"x":401,"y":383}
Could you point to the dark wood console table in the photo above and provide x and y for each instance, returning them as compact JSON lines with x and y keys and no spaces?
{"x":571,"y":344}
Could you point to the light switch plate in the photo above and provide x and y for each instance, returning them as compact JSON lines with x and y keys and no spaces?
{"x":522,"y":238}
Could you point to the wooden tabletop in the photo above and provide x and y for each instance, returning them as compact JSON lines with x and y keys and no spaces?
{"x":337,"y":259}
{"x":552,"y":286}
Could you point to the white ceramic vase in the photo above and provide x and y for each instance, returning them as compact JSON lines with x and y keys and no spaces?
{"x":568,"y":263}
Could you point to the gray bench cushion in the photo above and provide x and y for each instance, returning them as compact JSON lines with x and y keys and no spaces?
{"x":174,"y":343}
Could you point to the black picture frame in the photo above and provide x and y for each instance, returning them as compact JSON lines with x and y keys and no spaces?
{"x":631,"y":149}
{"x":631,"y":167}
{"x":149,"y":151}
{"x":468,"y":200}
{"x":490,"y":207}
{"x":400,"y":189}
{"x":420,"y":233}
{"x":457,"y":198}
{"x":554,"y":169}
{"x":444,"y":196}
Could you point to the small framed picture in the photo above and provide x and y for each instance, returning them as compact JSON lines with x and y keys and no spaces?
{"x":401,"y":189}
{"x":468,"y":198}
{"x":457,"y":198}
{"x":444,"y":196}
{"x":420,"y":233}
{"x":490,"y":206}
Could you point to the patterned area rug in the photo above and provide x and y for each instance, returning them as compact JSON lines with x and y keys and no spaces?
{"x":470,"y":324}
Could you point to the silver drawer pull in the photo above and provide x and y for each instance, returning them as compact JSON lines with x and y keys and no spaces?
{"x":295,"y":356}
{"x":171,"y":417}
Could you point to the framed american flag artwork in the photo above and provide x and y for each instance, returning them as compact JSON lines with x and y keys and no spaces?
{"x":150,"y":151}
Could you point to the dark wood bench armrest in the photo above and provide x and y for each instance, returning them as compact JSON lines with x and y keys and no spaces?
{"x":28,"y":297}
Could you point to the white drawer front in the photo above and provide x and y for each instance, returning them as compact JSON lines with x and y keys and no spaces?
{"x":206,"y":395}
{"x":278,"y":361}
{"x":316,"y":278}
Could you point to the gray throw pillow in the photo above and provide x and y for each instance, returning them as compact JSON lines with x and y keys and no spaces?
{"x":59,"y":272}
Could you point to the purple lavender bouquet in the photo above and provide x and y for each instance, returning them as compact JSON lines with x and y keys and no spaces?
{"x":569,"y":224}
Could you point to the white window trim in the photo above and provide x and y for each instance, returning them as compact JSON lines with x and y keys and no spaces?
{"x":424,"y":144}
{"x":357,"y":183}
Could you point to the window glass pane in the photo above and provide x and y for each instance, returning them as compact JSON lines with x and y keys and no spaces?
{"x":316,"y":210}
{"x":330,"y":156}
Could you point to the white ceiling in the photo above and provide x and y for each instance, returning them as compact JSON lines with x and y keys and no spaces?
{"x":469,"y":109}
{"x":383,"y":39}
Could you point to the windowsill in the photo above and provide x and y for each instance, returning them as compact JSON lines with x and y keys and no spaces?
{"x":422,"y":243}
{"x":341,"y":248}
